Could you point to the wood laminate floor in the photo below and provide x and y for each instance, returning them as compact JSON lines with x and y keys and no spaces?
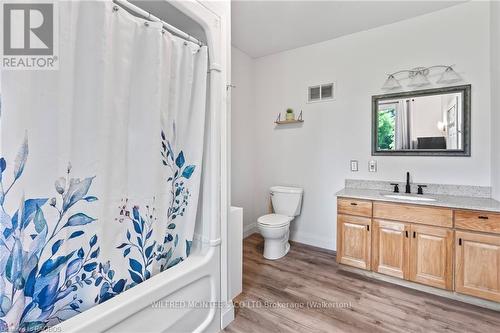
{"x":352,"y":303}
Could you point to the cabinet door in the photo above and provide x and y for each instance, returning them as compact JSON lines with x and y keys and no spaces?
{"x":390,"y":248}
{"x":353,"y":241}
{"x":431,"y":256}
{"x":477,"y":265}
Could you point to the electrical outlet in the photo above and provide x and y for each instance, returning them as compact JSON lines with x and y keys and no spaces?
{"x":354,"y":165}
{"x":372,"y":166}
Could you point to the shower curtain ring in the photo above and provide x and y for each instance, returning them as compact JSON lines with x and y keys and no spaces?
{"x":115,"y":8}
{"x":146,"y":23}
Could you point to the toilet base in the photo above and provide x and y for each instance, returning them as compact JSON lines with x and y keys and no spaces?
{"x":276,"y":243}
{"x":275,"y":249}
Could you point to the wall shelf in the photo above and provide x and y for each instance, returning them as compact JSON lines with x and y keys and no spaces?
{"x":284,"y":122}
{"x":292,"y":121}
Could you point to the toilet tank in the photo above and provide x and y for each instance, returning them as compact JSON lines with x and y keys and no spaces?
{"x":286,"y":200}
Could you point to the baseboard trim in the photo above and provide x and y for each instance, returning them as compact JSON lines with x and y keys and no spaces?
{"x":299,"y":237}
{"x":313,"y":240}
{"x":250,"y":229}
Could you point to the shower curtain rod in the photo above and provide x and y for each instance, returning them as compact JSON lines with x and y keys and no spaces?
{"x":150,"y":17}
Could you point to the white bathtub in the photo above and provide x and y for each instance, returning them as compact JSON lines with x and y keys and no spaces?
{"x":162,"y":303}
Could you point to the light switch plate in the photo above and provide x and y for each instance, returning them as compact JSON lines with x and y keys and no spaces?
{"x":354,"y":165}
{"x":372,"y":166}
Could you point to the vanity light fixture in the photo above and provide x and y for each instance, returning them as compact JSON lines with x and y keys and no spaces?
{"x":449,"y":76}
{"x":418,"y":77}
{"x":391,"y":83}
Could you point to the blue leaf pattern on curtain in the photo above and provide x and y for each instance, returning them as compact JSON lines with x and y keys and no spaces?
{"x":43,"y":268}
{"x":39,"y":270}
{"x":179,"y":174}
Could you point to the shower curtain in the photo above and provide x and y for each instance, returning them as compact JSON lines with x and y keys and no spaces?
{"x":101,"y":165}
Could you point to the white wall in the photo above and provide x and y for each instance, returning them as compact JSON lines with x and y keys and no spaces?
{"x":495,"y":97}
{"x":426,"y":113}
{"x":243,"y":138}
{"x":316,"y":156}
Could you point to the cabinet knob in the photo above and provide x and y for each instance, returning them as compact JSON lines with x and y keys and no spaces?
{"x":483,"y":217}
{"x":460,"y":241}
{"x":353,"y":204}
{"x":368,"y":227}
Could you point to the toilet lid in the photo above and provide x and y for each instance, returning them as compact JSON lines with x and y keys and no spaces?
{"x":274,"y":220}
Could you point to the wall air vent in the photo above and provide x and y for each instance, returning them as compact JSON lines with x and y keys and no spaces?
{"x":320,"y":93}
{"x":314,"y":94}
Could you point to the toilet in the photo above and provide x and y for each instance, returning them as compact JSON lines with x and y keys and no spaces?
{"x":275,"y":227}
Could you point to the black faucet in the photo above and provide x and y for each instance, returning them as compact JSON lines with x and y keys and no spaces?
{"x":408,"y":187}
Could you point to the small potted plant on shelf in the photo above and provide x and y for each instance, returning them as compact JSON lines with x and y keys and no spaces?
{"x":289,"y":114}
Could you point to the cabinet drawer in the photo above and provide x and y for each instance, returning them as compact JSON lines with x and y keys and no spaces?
{"x":477,"y":221}
{"x":441,"y":217}
{"x":354,"y":207}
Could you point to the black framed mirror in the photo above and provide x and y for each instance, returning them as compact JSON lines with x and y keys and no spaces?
{"x":430,"y":122}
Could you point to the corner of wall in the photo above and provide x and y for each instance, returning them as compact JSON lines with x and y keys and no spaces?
{"x":495,"y":96}
{"x":243,"y":128}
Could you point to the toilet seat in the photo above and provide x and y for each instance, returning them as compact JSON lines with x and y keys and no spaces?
{"x":274,"y":220}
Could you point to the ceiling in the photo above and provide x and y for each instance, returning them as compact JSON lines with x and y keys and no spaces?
{"x":168,"y":13}
{"x":260,"y":28}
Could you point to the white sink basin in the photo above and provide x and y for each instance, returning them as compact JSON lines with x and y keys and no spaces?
{"x":408,"y":197}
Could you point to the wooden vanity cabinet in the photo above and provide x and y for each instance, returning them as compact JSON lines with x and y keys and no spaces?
{"x":431,"y":256}
{"x":477,"y":265}
{"x":354,"y":241}
{"x":355,"y":207}
{"x":410,"y":242}
{"x":416,"y":243}
{"x":413,"y":252}
{"x":435,"y":216}
{"x":452,"y":249}
{"x":477,"y":221}
{"x":390,"y":248}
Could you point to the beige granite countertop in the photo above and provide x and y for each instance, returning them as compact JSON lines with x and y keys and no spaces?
{"x":450,"y":201}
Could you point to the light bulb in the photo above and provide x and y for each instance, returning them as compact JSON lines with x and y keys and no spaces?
{"x":449,"y":76}
{"x":391,"y":83}
{"x":418,"y":79}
